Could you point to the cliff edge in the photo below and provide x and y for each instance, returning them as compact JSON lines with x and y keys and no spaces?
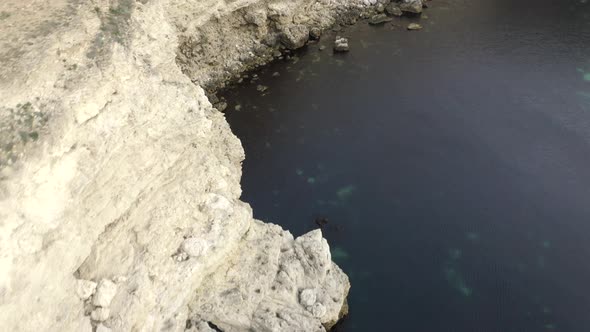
{"x":120,"y":182}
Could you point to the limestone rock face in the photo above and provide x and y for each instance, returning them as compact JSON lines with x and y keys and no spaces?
{"x":119,"y":191}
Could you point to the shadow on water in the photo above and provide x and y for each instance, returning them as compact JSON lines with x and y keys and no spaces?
{"x":449,"y":168}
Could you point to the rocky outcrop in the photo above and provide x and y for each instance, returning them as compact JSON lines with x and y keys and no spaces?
{"x":119,"y":182}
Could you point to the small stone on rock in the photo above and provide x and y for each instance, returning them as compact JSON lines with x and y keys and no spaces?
{"x":318,"y":310}
{"x":307,"y":297}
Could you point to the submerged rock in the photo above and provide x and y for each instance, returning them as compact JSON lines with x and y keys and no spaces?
{"x":414,"y":26}
{"x":341,"y":44}
{"x":379,"y":19}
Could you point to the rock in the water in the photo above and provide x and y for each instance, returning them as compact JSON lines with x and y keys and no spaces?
{"x":414,"y":26}
{"x":379,"y":19}
{"x":315,"y":33}
{"x":105,"y":292}
{"x":261,"y":88}
{"x":411,"y":6}
{"x":341,"y":44}
{"x":393,"y":9}
{"x":380,"y":8}
{"x":295,"y":36}
{"x":221,"y":106}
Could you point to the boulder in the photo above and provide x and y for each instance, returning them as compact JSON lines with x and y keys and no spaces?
{"x":295,"y":36}
{"x":411,"y":6}
{"x":341,"y":44}
{"x":282,"y":283}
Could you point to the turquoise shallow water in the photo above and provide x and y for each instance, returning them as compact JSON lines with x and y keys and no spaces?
{"x":449,"y":167}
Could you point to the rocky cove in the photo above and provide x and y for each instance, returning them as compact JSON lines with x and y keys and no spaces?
{"x":120,"y":182}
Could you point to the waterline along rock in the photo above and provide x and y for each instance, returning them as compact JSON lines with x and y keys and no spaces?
{"x":120,"y":183}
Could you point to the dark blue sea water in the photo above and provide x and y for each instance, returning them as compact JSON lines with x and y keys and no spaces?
{"x":452,"y":164}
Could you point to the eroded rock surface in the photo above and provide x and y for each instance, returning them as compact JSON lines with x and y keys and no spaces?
{"x":119,"y":182}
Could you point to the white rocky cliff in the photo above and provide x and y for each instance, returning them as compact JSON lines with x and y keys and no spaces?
{"x":119,"y":182}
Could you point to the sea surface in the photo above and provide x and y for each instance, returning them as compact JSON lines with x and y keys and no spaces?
{"x":449,"y":168}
